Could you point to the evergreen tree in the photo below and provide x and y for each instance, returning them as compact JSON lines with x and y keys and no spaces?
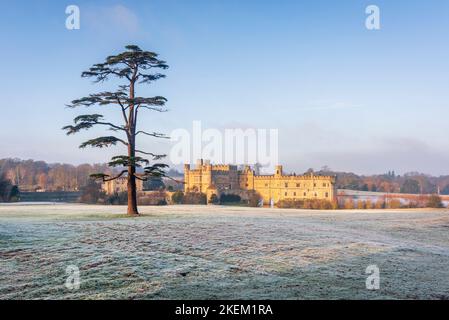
{"x":134,"y":67}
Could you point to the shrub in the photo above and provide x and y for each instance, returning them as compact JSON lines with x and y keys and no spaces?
{"x":361,"y":204}
{"x":380,"y":204}
{"x":92,"y":193}
{"x":120,"y":198}
{"x":349,"y":204}
{"x":394,"y":204}
{"x":157,"y":198}
{"x":323,"y":205}
{"x":14,"y":194}
{"x":434,"y":201}
{"x":254,"y":199}
{"x":195,"y":198}
{"x":147,"y":201}
{"x":314,"y":204}
{"x":8,"y":191}
{"x":287,"y":204}
{"x":230,"y":198}
{"x":422,"y":201}
{"x":413,"y":204}
{"x":178,"y":197}
{"x":213,"y":199}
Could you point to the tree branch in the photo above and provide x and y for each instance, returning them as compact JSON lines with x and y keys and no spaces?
{"x":126,"y":161}
{"x":153,"y":134}
{"x":102,"y":142}
{"x":104,"y":178}
{"x":87,"y":121}
{"x":155,"y":156}
{"x":123,"y":112}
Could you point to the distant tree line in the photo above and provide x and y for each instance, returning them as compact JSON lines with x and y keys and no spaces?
{"x":18,"y":175}
{"x":413,"y":182}
{"x":30,"y":175}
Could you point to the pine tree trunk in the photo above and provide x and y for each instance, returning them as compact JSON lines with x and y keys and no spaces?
{"x":132,"y":189}
{"x":132,"y":192}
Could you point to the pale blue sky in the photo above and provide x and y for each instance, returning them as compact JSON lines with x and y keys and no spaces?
{"x":353,"y":99}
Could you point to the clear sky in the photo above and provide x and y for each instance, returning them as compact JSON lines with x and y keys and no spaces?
{"x":340,"y":95}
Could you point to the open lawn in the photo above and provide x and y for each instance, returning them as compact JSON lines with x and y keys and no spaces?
{"x":213,"y":252}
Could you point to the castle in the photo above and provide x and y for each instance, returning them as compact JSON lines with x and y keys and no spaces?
{"x":119,"y":185}
{"x":225,"y":179}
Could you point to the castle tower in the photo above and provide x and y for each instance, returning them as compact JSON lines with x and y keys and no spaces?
{"x":278,"y":170}
{"x":206,"y":176}
{"x":186,"y":177}
{"x":199,"y":163}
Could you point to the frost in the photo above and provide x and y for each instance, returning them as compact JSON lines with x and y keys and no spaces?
{"x":213,"y":252}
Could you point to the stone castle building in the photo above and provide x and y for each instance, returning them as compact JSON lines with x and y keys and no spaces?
{"x":218,"y":179}
{"x":119,"y":185}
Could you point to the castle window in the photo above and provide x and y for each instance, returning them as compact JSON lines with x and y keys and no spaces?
{"x":305,"y":194}
{"x":266,"y":184}
{"x":298,"y":185}
{"x":327,"y":194}
{"x":324,"y":185}
{"x":316,"y":194}
{"x":314,"y":185}
{"x":286,"y":194}
{"x":294,"y":194}
{"x":286,"y":185}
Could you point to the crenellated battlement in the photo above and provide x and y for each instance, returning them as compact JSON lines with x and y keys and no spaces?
{"x":264,"y":176}
{"x":224,"y":167}
{"x":217,"y":178}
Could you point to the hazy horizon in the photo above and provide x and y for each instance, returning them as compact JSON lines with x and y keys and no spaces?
{"x":340,"y":95}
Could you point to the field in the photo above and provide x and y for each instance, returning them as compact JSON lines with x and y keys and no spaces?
{"x":197,"y":252}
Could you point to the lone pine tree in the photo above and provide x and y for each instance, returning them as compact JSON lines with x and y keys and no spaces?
{"x":134,"y":66}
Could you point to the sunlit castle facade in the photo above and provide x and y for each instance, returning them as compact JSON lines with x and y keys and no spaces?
{"x":119,"y":185}
{"x":217,"y":179}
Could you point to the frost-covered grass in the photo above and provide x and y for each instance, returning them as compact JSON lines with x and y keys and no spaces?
{"x":197,"y":252}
